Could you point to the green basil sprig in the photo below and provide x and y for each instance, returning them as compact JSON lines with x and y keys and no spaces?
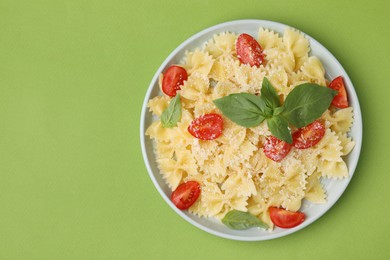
{"x":304,"y":104}
{"x":268,"y":93}
{"x":241,"y":220}
{"x":244,"y":109}
{"x":171,"y":115}
{"x":278,"y":126}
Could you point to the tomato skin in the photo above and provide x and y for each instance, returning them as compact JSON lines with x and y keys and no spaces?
{"x":206,"y":127}
{"x":309,"y":135}
{"x":341,"y":99}
{"x":186,"y":194}
{"x":276,"y":149}
{"x":249,"y":50}
{"x":173,"y":79}
{"x":284,"y":218}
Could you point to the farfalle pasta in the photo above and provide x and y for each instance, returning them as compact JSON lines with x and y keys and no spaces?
{"x":232,"y":170}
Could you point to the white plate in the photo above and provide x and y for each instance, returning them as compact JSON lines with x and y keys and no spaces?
{"x":334,"y":188}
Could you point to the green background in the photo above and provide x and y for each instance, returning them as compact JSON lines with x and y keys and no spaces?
{"x":73,"y":76}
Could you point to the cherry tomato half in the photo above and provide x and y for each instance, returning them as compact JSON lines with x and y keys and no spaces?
{"x":185,"y":194}
{"x":249,"y":50}
{"x":309,"y":135}
{"x":206,"y":127}
{"x":276,"y":149}
{"x":173,"y":79}
{"x":341,"y":99}
{"x":285,"y":218}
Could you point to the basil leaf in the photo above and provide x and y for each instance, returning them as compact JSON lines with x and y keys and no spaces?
{"x":307,"y":102}
{"x":268,"y":92}
{"x":278,"y":110}
{"x":244,"y":109}
{"x":278,"y":126}
{"x":171,"y":115}
{"x":241,"y":220}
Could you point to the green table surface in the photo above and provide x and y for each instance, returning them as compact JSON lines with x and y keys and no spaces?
{"x":73,"y":76}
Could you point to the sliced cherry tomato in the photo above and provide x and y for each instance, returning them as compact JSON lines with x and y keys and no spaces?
{"x":173,"y":79}
{"x":206,"y":127}
{"x":186,"y":194}
{"x":276,"y":149}
{"x":285,"y":218}
{"x":341,"y":99}
{"x":309,"y":135}
{"x":249,"y":50}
